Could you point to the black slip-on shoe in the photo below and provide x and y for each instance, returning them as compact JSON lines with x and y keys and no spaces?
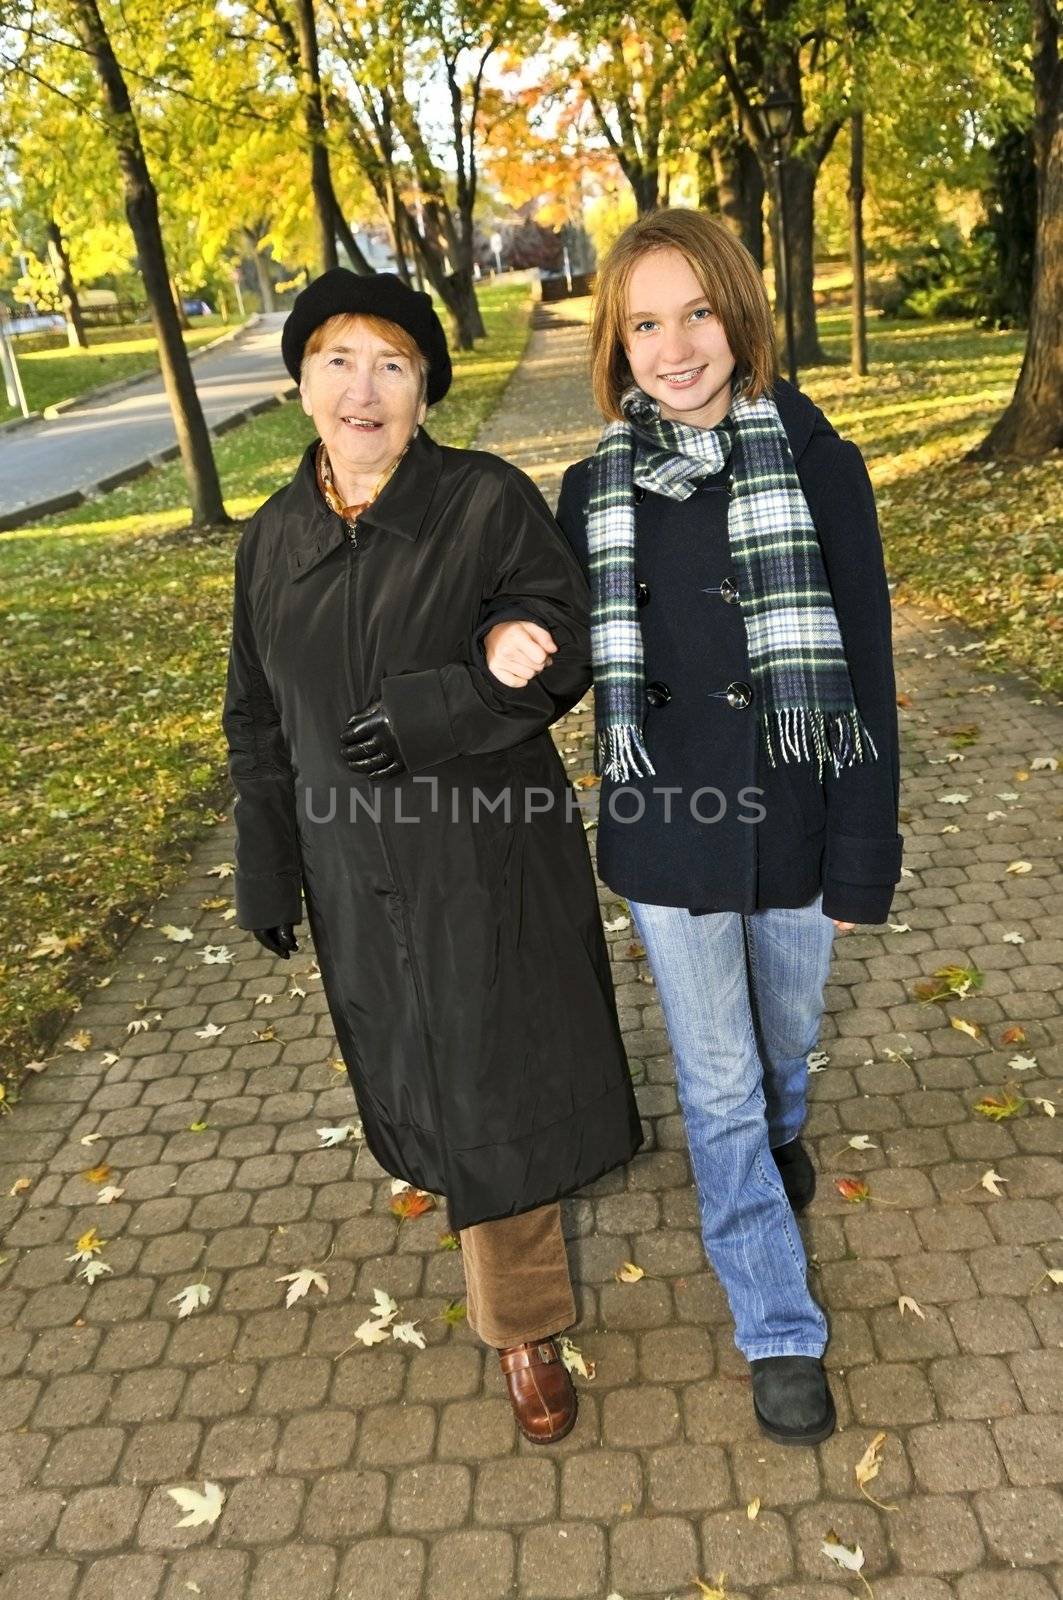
{"x":797,"y":1173}
{"x":792,"y":1399}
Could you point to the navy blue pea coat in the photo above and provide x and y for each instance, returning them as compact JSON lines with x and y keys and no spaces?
{"x":718,"y":828}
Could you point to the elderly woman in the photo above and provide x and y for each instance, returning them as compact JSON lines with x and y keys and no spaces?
{"x":422,"y":809}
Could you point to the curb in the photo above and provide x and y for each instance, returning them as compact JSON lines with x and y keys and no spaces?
{"x":20,"y":422}
{"x":107,"y":391}
{"x":137,"y":469}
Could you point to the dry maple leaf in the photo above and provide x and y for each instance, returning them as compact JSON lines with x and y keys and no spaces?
{"x":574,"y":1359}
{"x":753,"y":1509}
{"x":98,"y":1174}
{"x":852,"y":1189}
{"x":200,"y":1509}
{"x":78,"y":1041}
{"x":998,"y":1107}
{"x":629,"y":1273}
{"x":906,"y":1303}
{"x":970,"y":1028}
{"x":990,"y":1179}
{"x":300,"y":1283}
{"x":1013,"y":1035}
{"x":867,"y":1468}
{"x":191,"y":1298}
{"x":412,"y":1203}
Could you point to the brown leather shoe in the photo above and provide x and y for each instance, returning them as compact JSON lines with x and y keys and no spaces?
{"x":540,"y":1389}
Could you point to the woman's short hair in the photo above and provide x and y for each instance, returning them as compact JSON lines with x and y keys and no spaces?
{"x":398,"y":338}
{"x":726,"y":271}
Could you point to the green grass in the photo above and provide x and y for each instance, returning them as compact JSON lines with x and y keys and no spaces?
{"x":114,"y":630}
{"x":51,"y":371}
{"x":982,"y":542}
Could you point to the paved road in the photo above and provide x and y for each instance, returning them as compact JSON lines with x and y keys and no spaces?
{"x":394,"y":1473}
{"x":95,"y":441}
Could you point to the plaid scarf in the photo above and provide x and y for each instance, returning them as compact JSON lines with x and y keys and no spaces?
{"x":800,"y":674}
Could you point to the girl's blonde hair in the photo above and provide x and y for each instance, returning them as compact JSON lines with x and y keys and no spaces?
{"x":726,"y":271}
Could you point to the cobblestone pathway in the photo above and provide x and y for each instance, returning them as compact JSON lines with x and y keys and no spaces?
{"x":395,"y":1473}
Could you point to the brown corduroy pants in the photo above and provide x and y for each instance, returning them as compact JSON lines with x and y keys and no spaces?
{"x":516,"y":1272}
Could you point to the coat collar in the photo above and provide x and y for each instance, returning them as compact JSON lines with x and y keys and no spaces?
{"x":312,"y":531}
{"x":800,"y":417}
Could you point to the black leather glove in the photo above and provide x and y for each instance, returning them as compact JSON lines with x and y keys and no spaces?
{"x":369,"y":745}
{"x":279,"y":941}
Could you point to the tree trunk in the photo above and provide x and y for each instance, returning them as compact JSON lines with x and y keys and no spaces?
{"x":799,"y":180}
{"x":455,"y":289}
{"x":739,"y":184}
{"x":645,"y":182}
{"x":1032,"y":425}
{"x":262,"y":273}
{"x":68,"y":295}
{"x":142,"y":211}
{"x":325,"y":207}
{"x":858,"y":358}
{"x":179,"y":306}
{"x":348,"y":241}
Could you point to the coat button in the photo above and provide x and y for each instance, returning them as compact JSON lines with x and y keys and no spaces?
{"x":658,"y":694}
{"x":639,"y":494}
{"x":739,"y":695}
{"x":728,"y":591}
{"x":642,"y":594}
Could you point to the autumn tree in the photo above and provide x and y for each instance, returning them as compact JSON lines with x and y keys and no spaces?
{"x":1032,"y":424}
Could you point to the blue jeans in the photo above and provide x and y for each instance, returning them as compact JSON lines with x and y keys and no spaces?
{"x":743,"y":998}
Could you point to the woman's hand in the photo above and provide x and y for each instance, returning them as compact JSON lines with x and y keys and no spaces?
{"x":369,"y":744}
{"x":278,"y":940}
{"x":843,"y":927}
{"x":517,"y":652}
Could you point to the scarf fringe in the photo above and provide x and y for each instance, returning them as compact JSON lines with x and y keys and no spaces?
{"x":622,"y":754}
{"x":838,"y":737}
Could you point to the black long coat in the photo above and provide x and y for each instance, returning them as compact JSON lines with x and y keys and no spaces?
{"x":719,"y":828}
{"x":453,"y":909}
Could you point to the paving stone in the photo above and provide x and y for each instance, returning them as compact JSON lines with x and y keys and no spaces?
{"x":43,"y":1578}
{"x":377,"y":1567}
{"x":601,"y":1484}
{"x":562,"y":1562}
{"x":396,"y":1435}
{"x":308,"y":1571}
{"x":343,"y":1504}
{"x":652,"y":1553}
{"x":1032,"y":1448}
{"x":476,"y":1564}
{"x":688,"y":1477}
{"x":122,"y":1577}
{"x":83,"y":1456}
{"x":240,"y":1447}
{"x":676,"y":1355}
{"x":936,"y":1533}
{"x":429,"y":1498}
{"x":853,"y":1523}
{"x":644,"y":1416}
{"x":890,"y":1393}
{"x":748,"y":1552}
{"x":991,"y":1326}
{"x":98,"y":1519}
{"x":1004,"y":1585}
{"x":949,"y":1457}
{"x":262,"y":1510}
{"x":510,"y":1492}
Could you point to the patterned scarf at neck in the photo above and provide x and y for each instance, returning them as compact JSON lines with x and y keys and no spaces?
{"x":800,"y":675}
{"x":331,"y":495}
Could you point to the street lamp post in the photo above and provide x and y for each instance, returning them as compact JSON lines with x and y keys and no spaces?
{"x":777,"y":113}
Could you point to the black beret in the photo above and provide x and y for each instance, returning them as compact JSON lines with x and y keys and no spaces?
{"x":339,"y":293}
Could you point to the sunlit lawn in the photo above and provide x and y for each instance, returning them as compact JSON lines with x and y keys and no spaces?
{"x":51,"y":371}
{"x":981,"y":541}
{"x":114,"y":643}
